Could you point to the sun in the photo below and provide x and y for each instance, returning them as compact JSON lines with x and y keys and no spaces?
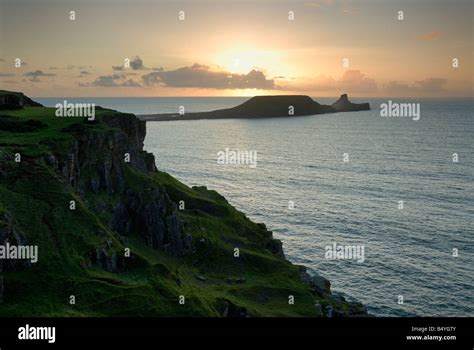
{"x":242,"y":61}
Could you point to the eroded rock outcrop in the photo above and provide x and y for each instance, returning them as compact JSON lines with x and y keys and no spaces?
{"x":97,"y":162}
{"x":154,"y":216}
{"x":11,"y":234}
{"x":344,"y":105}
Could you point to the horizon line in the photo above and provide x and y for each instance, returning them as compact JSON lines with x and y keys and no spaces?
{"x":336,"y":96}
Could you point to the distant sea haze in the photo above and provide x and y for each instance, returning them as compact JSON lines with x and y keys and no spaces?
{"x":391,"y":199}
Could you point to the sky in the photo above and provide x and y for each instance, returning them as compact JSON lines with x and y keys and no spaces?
{"x":365,"y":48}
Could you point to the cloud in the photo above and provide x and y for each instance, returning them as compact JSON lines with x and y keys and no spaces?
{"x":433,"y":35}
{"x":356,"y":81}
{"x":114,"y":80}
{"x":431,"y":84}
{"x":83,"y":73}
{"x":417,"y":88}
{"x":130,"y":83}
{"x":107,"y":80}
{"x":135,"y":64}
{"x":352,"y":81}
{"x":38,"y":73}
{"x":201,"y":76}
{"x":35,"y":75}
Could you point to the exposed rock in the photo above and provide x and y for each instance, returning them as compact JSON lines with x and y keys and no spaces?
{"x":101,"y":258}
{"x":276,"y":247}
{"x":329,"y":310}
{"x":96,"y":162}
{"x":320,"y":285}
{"x":344,"y":105}
{"x":200,"y":278}
{"x":318,"y":307}
{"x":9,"y":232}
{"x":154,"y":217}
{"x":229,"y":309}
{"x":339,"y":307}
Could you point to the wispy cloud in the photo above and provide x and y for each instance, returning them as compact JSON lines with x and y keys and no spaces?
{"x":419,"y":87}
{"x":433,"y":35}
{"x":35,"y":75}
{"x":113,"y":80}
{"x":352,"y":81}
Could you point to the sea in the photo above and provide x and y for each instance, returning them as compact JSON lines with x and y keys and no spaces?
{"x":399,"y":190}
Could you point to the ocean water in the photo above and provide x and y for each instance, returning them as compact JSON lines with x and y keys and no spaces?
{"x":150,"y":105}
{"x":408,"y":252}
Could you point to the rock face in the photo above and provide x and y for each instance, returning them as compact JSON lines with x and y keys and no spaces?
{"x":155,"y":217}
{"x":97,"y":163}
{"x":102,"y":154}
{"x":15,"y":100}
{"x":266,"y":107}
{"x":10,"y":232}
{"x":344,"y":105}
{"x":339,"y":306}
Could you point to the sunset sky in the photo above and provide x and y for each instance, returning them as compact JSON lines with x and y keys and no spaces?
{"x":237,"y":48}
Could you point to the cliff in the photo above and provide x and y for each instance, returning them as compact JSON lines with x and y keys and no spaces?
{"x":136,"y":240}
{"x":266,"y":107}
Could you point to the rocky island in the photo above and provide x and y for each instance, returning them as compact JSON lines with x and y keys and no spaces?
{"x":344,"y":105}
{"x":121,"y":238}
{"x":267,"y":107}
